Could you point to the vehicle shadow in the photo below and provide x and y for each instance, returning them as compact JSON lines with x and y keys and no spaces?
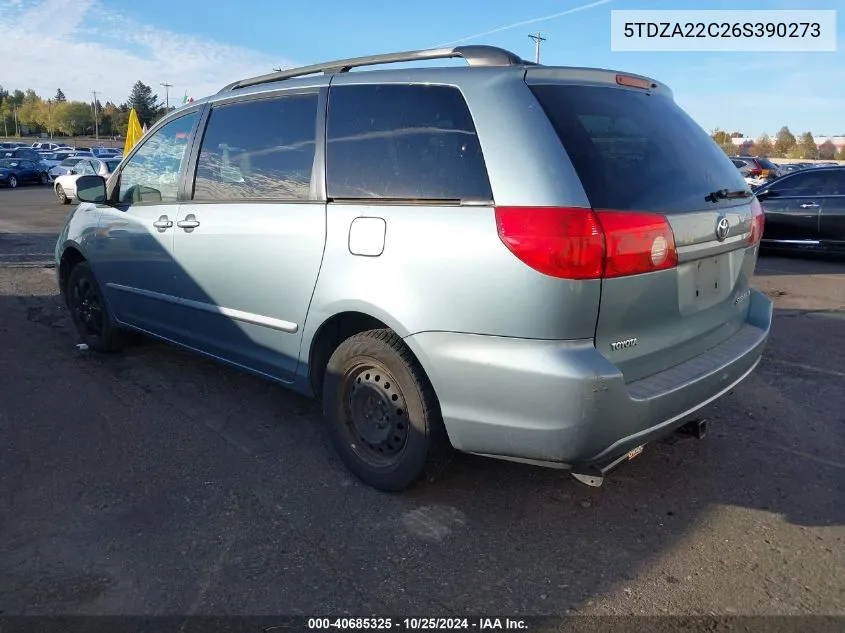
{"x":158,"y":482}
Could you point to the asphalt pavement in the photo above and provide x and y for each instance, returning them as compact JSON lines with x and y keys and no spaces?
{"x":155,"y":482}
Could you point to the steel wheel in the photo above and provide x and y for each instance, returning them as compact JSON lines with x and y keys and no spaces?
{"x":376,"y":417}
{"x":88,"y":306}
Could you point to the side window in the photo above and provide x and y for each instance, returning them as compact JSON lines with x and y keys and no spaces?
{"x":27,"y":164}
{"x":85,"y":168}
{"x":261,"y":149}
{"x":403,"y":141}
{"x":809,"y":183}
{"x":152,"y":174}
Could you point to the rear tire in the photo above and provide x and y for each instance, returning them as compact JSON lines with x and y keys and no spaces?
{"x":44,"y":178}
{"x":89,"y":312}
{"x":382,"y":413}
{"x":13,"y":182}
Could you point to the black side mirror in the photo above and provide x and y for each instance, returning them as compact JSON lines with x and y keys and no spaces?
{"x":91,"y":189}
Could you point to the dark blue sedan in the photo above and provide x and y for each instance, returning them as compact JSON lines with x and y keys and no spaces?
{"x":17,"y":171}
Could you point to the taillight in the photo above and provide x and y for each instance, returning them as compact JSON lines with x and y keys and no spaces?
{"x":758,"y":222}
{"x":556,"y":241}
{"x":637,"y":243}
{"x":578,"y":243}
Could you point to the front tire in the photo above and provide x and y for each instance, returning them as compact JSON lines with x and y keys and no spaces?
{"x":13,"y":182}
{"x":89,"y":312}
{"x":382,"y":413}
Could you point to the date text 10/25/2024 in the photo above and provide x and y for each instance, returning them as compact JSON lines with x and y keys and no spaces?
{"x":417,"y":624}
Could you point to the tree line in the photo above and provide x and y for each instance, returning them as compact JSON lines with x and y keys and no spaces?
{"x":784,"y":145}
{"x":57,"y":116}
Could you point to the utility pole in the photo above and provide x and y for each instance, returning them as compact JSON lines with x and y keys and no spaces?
{"x":167,"y":88}
{"x":96,"y":118}
{"x":17,"y":129}
{"x":50,"y":117}
{"x":537,"y":39}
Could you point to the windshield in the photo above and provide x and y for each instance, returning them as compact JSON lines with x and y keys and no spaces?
{"x":5,"y":162}
{"x":69,"y":162}
{"x":637,"y":151}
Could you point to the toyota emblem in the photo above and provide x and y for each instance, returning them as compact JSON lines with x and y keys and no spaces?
{"x":723,"y":227}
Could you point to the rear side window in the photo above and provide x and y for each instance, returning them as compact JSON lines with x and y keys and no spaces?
{"x":637,"y":151}
{"x":258,"y":150}
{"x":407,"y":142}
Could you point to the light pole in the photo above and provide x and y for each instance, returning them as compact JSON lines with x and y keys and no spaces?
{"x":167,"y":88}
{"x":50,"y":117}
{"x":96,"y":118}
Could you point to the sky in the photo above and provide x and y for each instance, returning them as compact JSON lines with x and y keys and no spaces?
{"x":201,"y":45}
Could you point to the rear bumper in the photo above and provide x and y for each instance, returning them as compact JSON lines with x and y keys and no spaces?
{"x":561,"y":403}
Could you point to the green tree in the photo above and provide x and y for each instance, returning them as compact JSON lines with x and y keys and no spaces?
{"x":762,"y":146}
{"x":827,"y":150}
{"x":721,"y":137}
{"x":806,"y":146}
{"x":60,"y":96}
{"x":73,"y":117}
{"x":840,"y":155}
{"x":784,"y":142}
{"x":144,"y":101}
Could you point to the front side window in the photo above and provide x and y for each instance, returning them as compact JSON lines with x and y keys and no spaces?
{"x":152,"y":174}
{"x":809,"y":184}
{"x":409,"y":142}
{"x":259,"y":150}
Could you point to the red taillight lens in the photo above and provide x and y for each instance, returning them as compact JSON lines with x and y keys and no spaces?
{"x":577,"y":243}
{"x":557,"y":241}
{"x":758,"y":222}
{"x":637,"y":243}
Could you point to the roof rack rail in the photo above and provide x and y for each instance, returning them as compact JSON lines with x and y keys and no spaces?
{"x":475,"y":55}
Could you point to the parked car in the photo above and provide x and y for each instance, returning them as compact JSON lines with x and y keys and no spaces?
{"x":65,"y":185}
{"x":104,"y":152}
{"x":19,"y":171}
{"x":526,"y":262}
{"x":56,"y":158}
{"x":67,"y":164}
{"x":760,"y":167}
{"x":806,"y":210}
{"x":26,"y":153}
{"x":50,"y":147}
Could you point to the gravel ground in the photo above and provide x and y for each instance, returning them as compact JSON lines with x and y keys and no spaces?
{"x":154,"y":482}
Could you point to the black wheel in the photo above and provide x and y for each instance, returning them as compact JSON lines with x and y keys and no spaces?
{"x":383,"y":415}
{"x":89,"y":312}
{"x":13,"y":181}
{"x":61,"y":195}
{"x":43,"y":178}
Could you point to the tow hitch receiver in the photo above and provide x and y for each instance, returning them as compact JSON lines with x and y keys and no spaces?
{"x":696,"y":428}
{"x":594,"y":475}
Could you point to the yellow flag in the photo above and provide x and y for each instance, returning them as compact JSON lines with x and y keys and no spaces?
{"x":133,"y":132}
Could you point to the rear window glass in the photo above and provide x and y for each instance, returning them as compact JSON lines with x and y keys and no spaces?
{"x":636,"y":151}
{"x":765,"y":163}
{"x":407,"y":142}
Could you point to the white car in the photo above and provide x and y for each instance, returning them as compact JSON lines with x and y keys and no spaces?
{"x":65,"y":185}
{"x":67,"y":164}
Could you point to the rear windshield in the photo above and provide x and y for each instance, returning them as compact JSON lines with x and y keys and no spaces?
{"x":637,"y":151}
{"x":765,"y":163}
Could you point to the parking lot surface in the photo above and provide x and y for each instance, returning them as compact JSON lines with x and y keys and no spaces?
{"x":156,"y":482}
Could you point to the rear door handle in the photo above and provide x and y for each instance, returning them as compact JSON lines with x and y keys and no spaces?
{"x":190,"y":222}
{"x":809,"y":205}
{"x":163,"y":223}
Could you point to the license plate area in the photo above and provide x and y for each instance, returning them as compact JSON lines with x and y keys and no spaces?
{"x":704,"y":283}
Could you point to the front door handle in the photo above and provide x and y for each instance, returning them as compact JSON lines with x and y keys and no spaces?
{"x":163,"y":223}
{"x":809,"y":205}
{"x":190,"y":222}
